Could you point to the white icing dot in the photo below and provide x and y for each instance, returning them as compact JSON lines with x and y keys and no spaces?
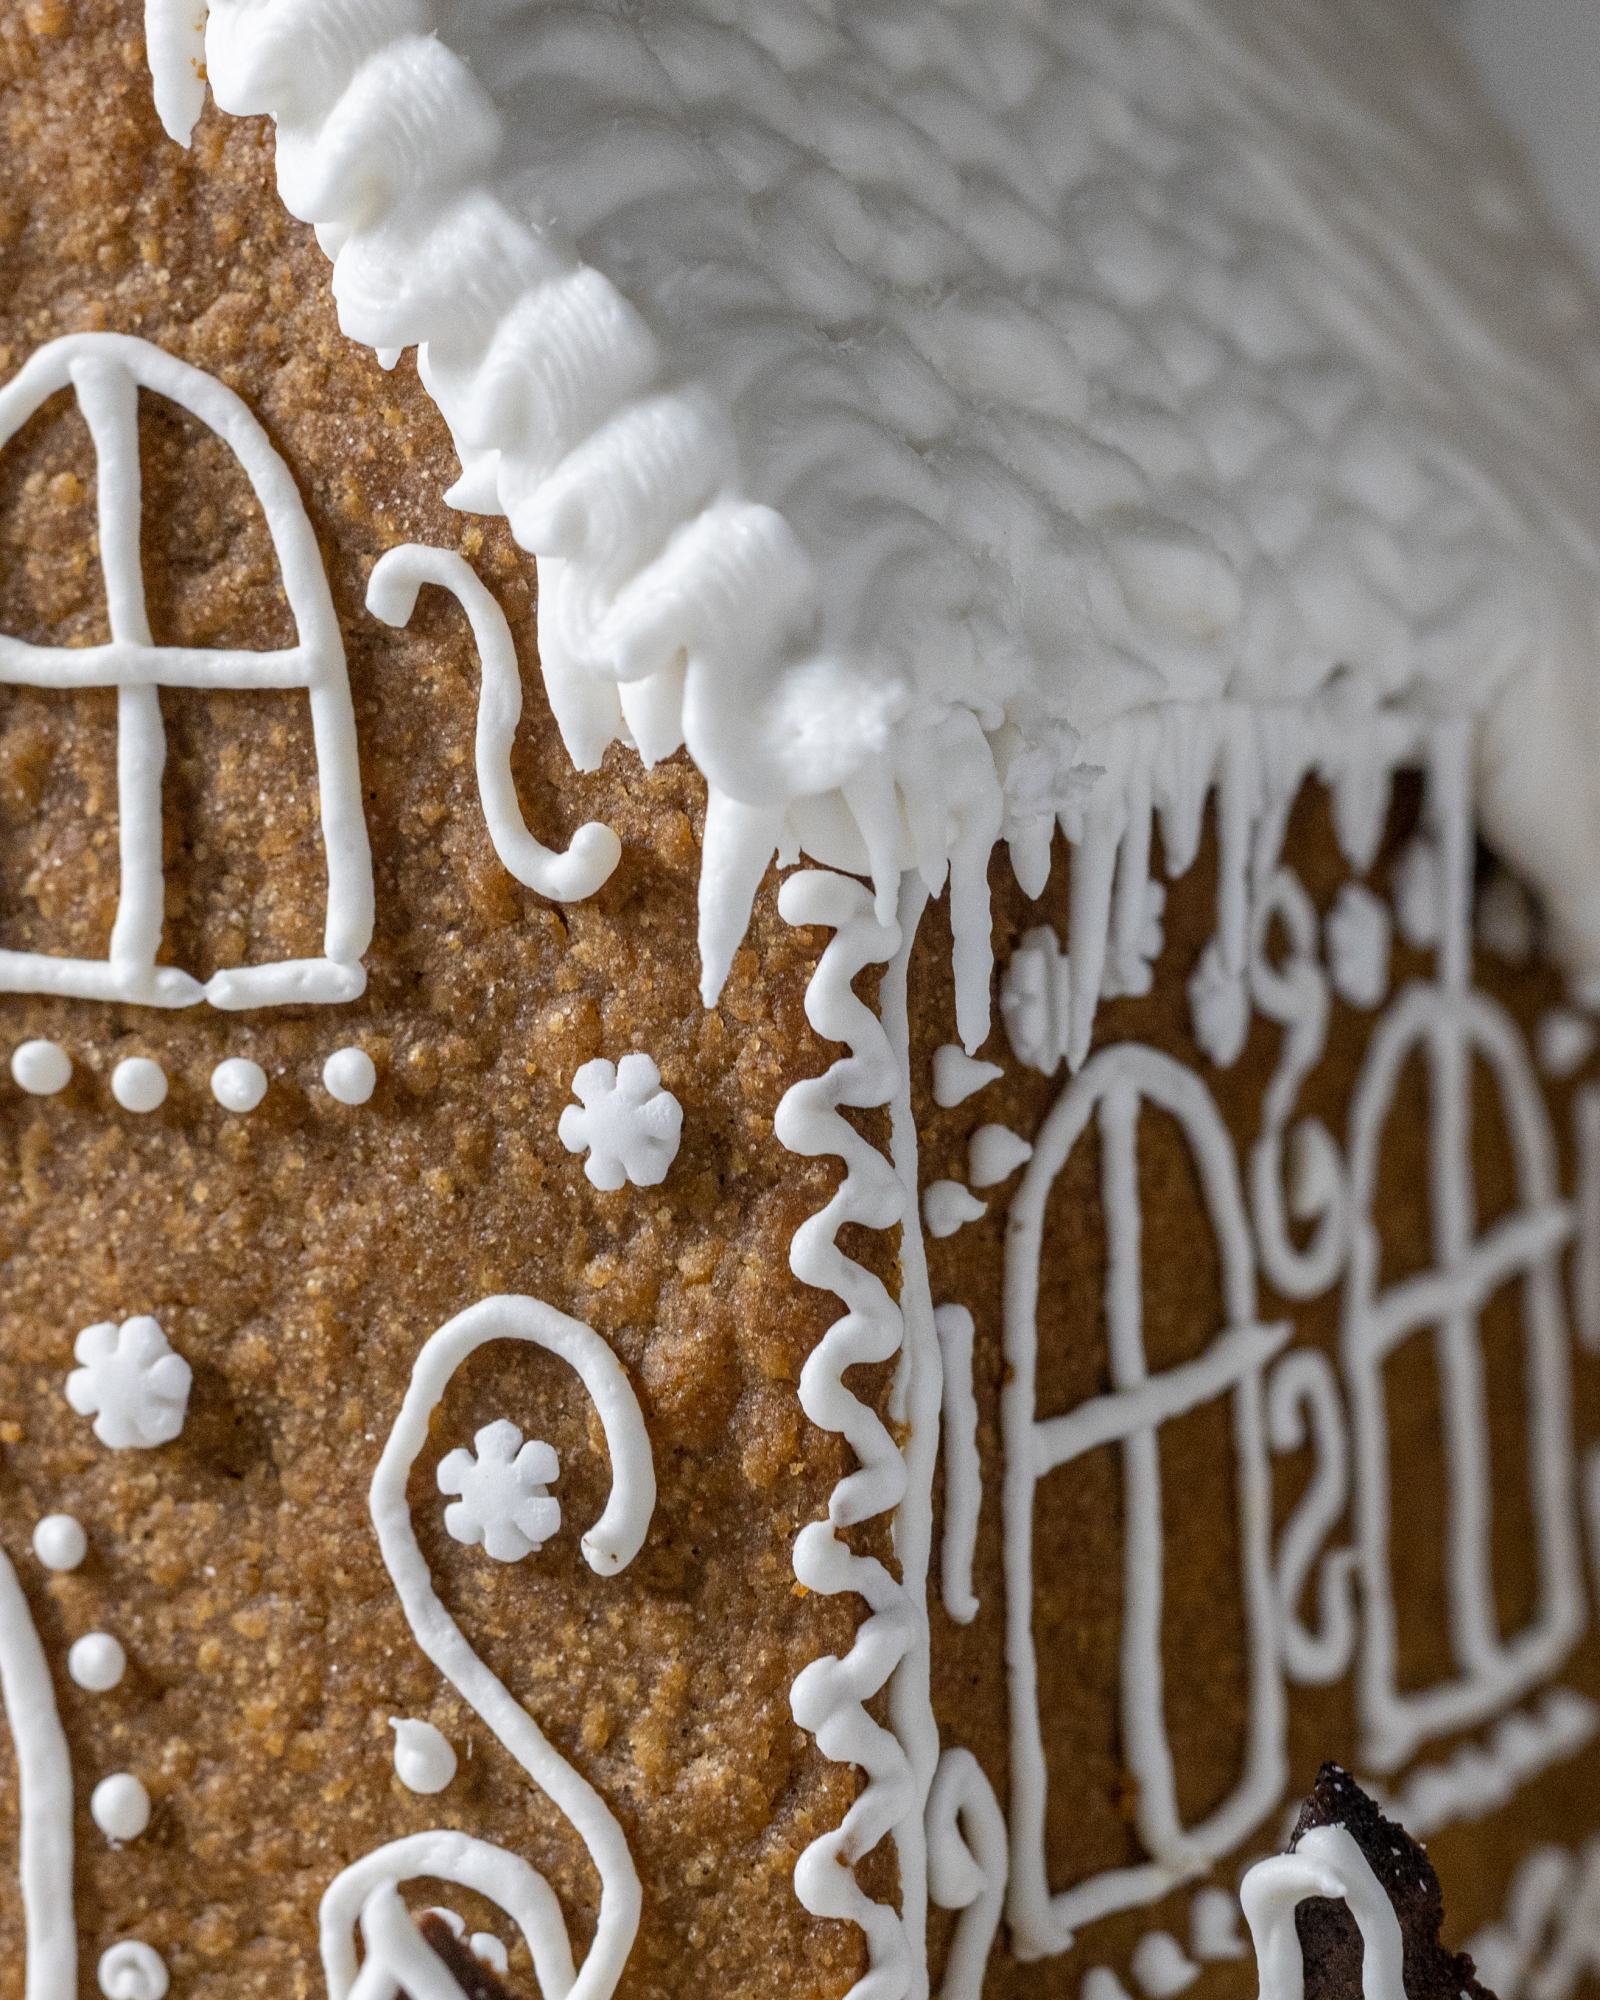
{"x":947,"y":1206}
{"x":120,"y":1806}
{"x":97,"y":1662}
{"x":349,"y":1076}
{"x":41,"y":1068}
{"x":423,"y":1759}
{"x":59,"y":1542}
{"x":238,"y":1084}
{"x":957,"y":1076}
{"x":994,"y":1153}
{"x":1161,"y":1966}
{"x":138,"y":1084}
{"x":132,"y":1971}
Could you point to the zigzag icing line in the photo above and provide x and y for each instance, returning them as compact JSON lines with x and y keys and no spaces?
{"x":829,"y":1696}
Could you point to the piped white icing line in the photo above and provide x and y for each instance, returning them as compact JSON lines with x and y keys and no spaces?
{"x":1161,"y":1968}
{"x":139,"y":1084}
{"x":1303,"y":1407}
{"x":627,"y":1122}
{"x":612,"y":1543}
{"x":503,"y":1505}
{"x":830,"y":1694}
{"x":133,"y":1970}
{"x":963,"y":1470}
{"x":44,"y":1807}
{"x":238,"y":1084}
{"x":120,"y":1806}
{"x":41,"y":1068}
{"x":350,"y":1076}
{"x":1586,"y":1258}
{"x":958,"y":1076}
{"x":97,"y":1662}
{"x":60,"y":1542}
{"x":424,"y":1759}
{"x":967,"y":1861}
{"x":131,"y":1382}
{"x":1547,"y":1943}
{"x":948,"y":1206}
{"x":1478,"y":1778}
{"x":595,"y":850}
{"x":1325,"y":1863}
{"x":107,"y":371}
{"x":1111,"y":1092}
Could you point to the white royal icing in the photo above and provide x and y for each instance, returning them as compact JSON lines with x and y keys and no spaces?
{"x":41,"y":1068}
{"x":133,"y":1970}
{"x":424,"y":1760}
{"x":131,"y":1382}
{"x":1547,"y":1943}
{"x":120,"y":1806}
{"x":350,"y":1076}
{"x":97,"y":1662}
{"x":139,"y":1084}
{"x":238,"y":1084}
{"x":107,"y":372}
{"x":627,"y":1122}
{"x":60,"y":1542}
{"x":43,"y":1766}
{"x":368,"y":1889}
{"x":595,"y":851}
{"x":893,"y":398}
{"x":503,"y":1504}
{"x":1161,"y":1967}
{"x":1325,"y":1863}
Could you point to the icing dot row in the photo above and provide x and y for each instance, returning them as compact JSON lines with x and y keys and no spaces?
{"x":139,"y":1084}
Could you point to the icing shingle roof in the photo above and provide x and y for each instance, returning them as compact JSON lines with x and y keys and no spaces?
{"x":896,"y":392}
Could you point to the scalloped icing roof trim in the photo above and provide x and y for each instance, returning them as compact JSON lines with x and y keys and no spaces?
{"x":891,"y":395}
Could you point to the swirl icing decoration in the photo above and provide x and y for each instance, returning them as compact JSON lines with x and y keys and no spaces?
{"x":392,"y":590}
{"x":397,"y":1957}
{"x":830,"y":1695}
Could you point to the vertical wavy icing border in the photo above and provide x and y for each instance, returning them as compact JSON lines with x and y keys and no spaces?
{"x":830,"y":1695}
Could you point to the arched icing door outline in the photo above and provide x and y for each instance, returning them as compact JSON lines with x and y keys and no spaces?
{"x":106,"y":371}
{"x":1111,"y":1090}
{"x":1447,"y":1029}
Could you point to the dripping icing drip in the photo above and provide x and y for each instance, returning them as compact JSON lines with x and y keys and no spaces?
{"x":851,"y":467}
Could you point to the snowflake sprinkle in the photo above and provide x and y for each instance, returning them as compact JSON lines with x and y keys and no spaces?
{"x":624,"y":1120}
{"x":503,"y":1503}
{"x":131,"y":1382}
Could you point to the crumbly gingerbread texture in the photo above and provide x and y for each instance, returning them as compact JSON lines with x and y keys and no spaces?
{"x":1329,"y":1939}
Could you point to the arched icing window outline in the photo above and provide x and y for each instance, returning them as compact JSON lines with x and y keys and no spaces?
{"x":1112,"y":1089}
{"x":106,"y":371}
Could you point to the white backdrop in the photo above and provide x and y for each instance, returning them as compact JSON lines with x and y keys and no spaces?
{"x":1541,"y":61}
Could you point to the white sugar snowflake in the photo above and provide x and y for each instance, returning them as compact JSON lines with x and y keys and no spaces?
{"x":503,"y":1504}
{"x":624,"y":1120}
{"x":131,"y":1382}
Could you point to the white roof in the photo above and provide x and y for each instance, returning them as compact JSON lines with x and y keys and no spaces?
{"x":895,"y":391}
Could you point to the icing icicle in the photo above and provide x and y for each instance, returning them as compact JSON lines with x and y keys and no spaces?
{"x":830,"y":1695}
